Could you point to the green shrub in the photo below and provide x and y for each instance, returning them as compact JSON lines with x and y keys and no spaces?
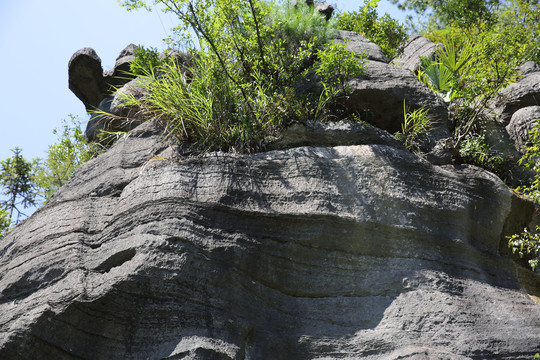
{"x":5,"y":222}
{"x":240,"y":87}
{"x":474,"y":150}
{"x":530,"y":160}
{"x":415,"y":124}
{"x":440,"y":14}
{"x":489,"y":53}
{"x":527,"y":246}
{"x":384,"y":31}
{"x":444,"y":72}
{"x":145,"y":59}
{"x":64,"y":157}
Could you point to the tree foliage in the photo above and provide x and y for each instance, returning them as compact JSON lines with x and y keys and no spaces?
{"x":384,"y":31}
{"x":30,"y":183}
{"x":478,"y":59}
{"x":527,"y":246}
{"x":438,"y":14}
{"x":242,"y":85}
{"x":63,"y":158}
{"x":17,"y":181}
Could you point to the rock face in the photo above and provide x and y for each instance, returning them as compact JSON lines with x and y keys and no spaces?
{"x":379,"y":97}
{"x":359,"y":44}
{"x":86,"y":77}
{"x":346,"y":252}
{"x":381,"y":91}
{"x":416,"y":47}
{"x":87,"y":80}
{"x":523,"y":93}
{"x":521,"y":124}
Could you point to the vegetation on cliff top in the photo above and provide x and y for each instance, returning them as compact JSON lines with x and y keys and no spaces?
{"x":248,"y":61}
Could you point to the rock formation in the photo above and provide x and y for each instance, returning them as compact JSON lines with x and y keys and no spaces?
{"x":357,"y":43}
{"x":88,"y":81}
{"x":521,"y":123}
{"x":336,"y":244}
{"x":414,"y":49}
{"x":360,"y":251}
{"x":523,"y":93}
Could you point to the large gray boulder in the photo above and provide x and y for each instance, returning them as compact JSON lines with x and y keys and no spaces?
{"x":380,"y":93}
{"x":521,"y":123}
{"x":414,"y":49}
{"x":523,"y":93}
{"x":359,"y":44}
{"x":86,"y":78}
{"x":379,"y":97}
{"x":347,"y":252}
{"x":119,"y":75}
{"x":88,"y":81}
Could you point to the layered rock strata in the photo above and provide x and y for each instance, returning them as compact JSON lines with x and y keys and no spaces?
{"x":345,"y":252}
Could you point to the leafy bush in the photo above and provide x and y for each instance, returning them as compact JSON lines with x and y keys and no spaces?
{"x":444,"y":72}
{"x":5,"y":222}
{"x":415,"y":124}
{"x":527,"y":246}
{"x":240,"y":88}
{"x":17,"y":181}
{"x":384,"y":31}
{"x":63,"y":157}
{"x":443,"y":13}
{"x":474,"y":150}
{"x":145,"y":59}
{"x":479,"y":59}
{"x":530,"y":160}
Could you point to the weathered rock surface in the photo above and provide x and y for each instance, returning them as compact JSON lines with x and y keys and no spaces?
{"x":325,"y":9}
{"x":119,"y":75}
{"x":379,"y":96}
{"x":87,"y":80}
{"x":523,"y":93}
{"x":414,"y":49}
{"x":521,"y":124}
{"x":316,"y":133}
{"x":361,"y":45}
{"x":347,"y":252}
{"x":114,"y":115}
{"x":86,"y":77}
{"x":381,"y":91}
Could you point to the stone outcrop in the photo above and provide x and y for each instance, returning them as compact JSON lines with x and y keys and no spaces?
{"x":336,"y":243}
{"x":521,"y":123}
{"x":86,"y":77}
{"x":380,"y":93}
{"x":359,"y":44}
{"x":119,"y":75}
{"x":414,"y":49}
{"x":360,"y":251}
{"x":379,"y":97}
{"x":87,"y":80}
{"x":113,"y":114}
{"x":325,"y":9}
{"x":523,"y":93}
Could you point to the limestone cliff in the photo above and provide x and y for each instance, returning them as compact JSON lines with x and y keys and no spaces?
{"x":342,"y":245}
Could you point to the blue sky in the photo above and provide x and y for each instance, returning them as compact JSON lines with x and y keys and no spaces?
{"x":37,"y":39}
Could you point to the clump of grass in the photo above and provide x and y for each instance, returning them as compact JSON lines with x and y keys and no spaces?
{"x":238,"y":92}
{"x":415,"y":124}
